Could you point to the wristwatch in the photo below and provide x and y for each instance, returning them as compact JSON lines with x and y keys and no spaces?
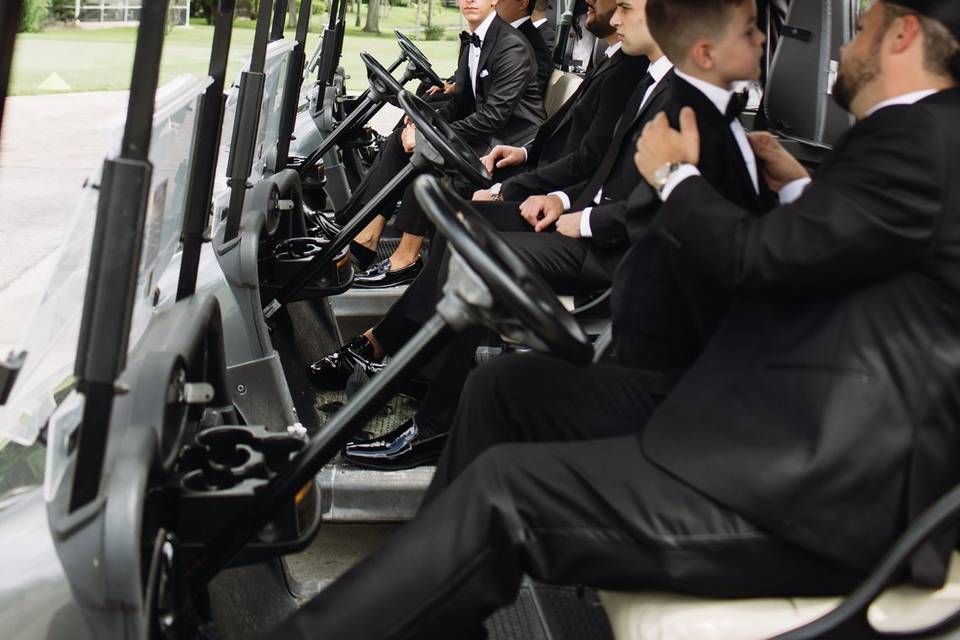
{"x":662,"y":175}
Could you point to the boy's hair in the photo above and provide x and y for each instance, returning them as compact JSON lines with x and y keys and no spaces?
{"x":677,"y":24}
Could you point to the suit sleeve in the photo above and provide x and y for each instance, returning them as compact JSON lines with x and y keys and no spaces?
{"x":512,"y":72}
{"x":873,"y":212}
{"x":576,"y":167}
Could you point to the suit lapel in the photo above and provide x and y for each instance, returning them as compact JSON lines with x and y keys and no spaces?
{"x":486,"y":48}
{"x":706,"y":109}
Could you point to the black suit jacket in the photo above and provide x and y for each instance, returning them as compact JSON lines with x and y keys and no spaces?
{"x":590,"y":112}
{"x":615,"y":92}
{"x":508,"y":105}
{"x":665,"y":308}
{"x":549,"y":35}
{"x":826,"y":408}
{"x":541,"y":55}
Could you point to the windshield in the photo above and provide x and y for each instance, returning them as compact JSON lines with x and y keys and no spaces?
{"x":52,"y":337}
{"x":268,"y":134}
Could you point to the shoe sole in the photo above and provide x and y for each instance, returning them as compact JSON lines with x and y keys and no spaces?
{"x":420,"y":460}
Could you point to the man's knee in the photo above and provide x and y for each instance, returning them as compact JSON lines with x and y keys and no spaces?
{"x":506,"y":377}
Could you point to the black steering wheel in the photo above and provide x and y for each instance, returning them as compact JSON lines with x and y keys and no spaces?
{"x":423,"y":71}
{"x":517,"y":288}
{"x":382,"y":84}
{"x":455,"y":153}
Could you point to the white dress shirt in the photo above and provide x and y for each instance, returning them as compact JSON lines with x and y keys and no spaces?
{"x":657,"y":70}
{"x":539,"y":22}
{"x":793,"y":190}
{"x":516,"y":23}
{"x":473,"y":59}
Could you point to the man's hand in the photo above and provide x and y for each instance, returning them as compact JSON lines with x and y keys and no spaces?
{"x":541,"y":211}
{"x":779,"y":167}
{"x":448,"y":87}
{"x":660,"y":143}
{"x":483,"y":195}
{"x":569,"y":224}
{"x":408,"y":137}
{"x":503,"y":156}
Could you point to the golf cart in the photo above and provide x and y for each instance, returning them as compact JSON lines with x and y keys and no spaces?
{"x":179,"y":478}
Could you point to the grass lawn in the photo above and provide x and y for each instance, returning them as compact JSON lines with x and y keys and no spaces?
{"x":101,"y":60}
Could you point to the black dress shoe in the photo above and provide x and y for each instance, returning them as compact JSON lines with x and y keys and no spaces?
{"x":403,"y":448}
{"x":379,"y":276}
{"x":332,"y":370}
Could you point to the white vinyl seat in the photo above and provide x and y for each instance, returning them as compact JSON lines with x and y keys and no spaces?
{"x":670,"y":616}
{"x":560,"y":87}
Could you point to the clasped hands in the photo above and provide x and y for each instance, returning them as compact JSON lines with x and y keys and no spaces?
{"x":660,"y":144}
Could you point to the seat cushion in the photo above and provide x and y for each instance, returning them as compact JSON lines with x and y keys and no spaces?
{"x":671,"y":616}
{"x":560,"y":87}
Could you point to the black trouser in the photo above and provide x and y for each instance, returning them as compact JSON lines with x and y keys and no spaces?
{"x":545,"y":476}
{"x":388,"y":163}
{"x":557,"y":258}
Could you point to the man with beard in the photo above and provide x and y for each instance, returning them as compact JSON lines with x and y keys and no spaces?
{"x":822,"y":418}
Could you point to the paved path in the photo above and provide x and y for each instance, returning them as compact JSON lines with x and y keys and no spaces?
{"x":48,"y":147}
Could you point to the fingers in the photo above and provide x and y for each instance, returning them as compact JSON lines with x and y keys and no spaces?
{"x":549,"y":217}
{"x":488,"y":162}
{"x":690,"y":133}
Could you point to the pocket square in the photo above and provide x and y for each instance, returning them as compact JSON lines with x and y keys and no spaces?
{"x":484,"y":73}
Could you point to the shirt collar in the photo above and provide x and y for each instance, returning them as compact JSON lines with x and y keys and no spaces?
{"x":659,"y":68}
{"x":481,"y":31}
{"x":516,"y":23}
{"x":906,"y":98}
{"x":539,"y":22}
{"x":612,"y":49}
{"x":719,"y":96}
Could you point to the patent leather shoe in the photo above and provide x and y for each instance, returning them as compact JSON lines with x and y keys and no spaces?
{"x":332,"y":370}
{"x":403,"y":448}
{"x":379,"y":276}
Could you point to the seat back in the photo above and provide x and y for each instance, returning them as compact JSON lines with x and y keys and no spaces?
{"x":799,"y":101}
{"x":560,"y":87}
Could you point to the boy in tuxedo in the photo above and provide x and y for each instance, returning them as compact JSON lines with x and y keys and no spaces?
{"x":678,"y":308}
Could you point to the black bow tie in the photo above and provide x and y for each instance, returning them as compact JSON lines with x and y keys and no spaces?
{"x":470,"y":38}
{"x":736,"y":105}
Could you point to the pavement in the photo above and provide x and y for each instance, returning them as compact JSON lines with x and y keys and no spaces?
{"x":48,"y":147}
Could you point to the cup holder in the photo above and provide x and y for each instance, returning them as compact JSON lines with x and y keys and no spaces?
{"x":222,"y":458}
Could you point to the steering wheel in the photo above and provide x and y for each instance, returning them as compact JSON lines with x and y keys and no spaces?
{"x":424,"y":71}
{"x":455,"y":153}
{"x":513,"y":284}
{"x":382,"y":83}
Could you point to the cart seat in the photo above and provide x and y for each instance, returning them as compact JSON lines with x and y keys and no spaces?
{"x":560,"y":87}
{"x":670,"y":616}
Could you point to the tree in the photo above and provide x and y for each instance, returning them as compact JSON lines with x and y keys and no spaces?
{"x":357,"y":23}
{"x":373,"y":17}
{"x":416,"y":31}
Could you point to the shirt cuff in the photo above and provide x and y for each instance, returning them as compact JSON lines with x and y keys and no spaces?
{"x":793,"y":190}
{"x":564,"y":198}
{"x":685,"y":171}
{"x":526,"y":155}
{"x":585,"y":230}
{"x":495,"y":189}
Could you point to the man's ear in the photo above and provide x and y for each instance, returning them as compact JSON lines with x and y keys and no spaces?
{"x":904,"y":31}
{"x":701,"y":54}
